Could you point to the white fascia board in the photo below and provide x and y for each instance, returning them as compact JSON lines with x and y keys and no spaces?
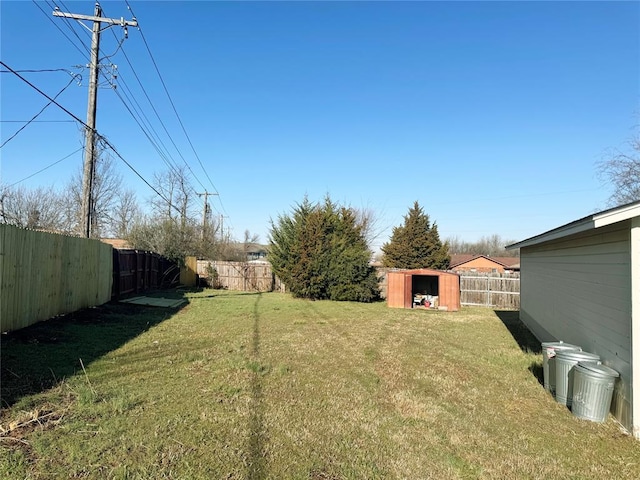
{"x":597,"y":220}
{"x":560,"y":232}
{"x":620,"y":214}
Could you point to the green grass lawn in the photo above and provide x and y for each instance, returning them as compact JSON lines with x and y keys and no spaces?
{"x":238,"y":385}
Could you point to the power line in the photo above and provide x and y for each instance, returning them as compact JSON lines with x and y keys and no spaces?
{"x":159,"y":117}
{"x":100,"y":137}
{"x":52,"y":100}
{"x":170,"y":99}
{"x":149,"y":131}
{"x":84,"y":53}
{"x":44,"y":70}
{"x":106,"y":142}
{"x":45,"y":168}
{"x":37,"y":114}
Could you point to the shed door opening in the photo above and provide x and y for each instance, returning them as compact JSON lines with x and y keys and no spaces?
{"x":424,"y":290}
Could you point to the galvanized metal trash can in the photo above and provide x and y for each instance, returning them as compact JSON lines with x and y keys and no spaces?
{"x":565,"y":360}
{"x":549,"y":350}
{"x":593,"y":386}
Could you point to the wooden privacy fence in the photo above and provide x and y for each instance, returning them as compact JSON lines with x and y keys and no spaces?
{"x":44,"y":274}
{"x":242,"y":276}
{"x":136,"y":271}
{"x":490,"y":290}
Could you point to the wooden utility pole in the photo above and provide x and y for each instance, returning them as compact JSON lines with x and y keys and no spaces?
{"x":222,"y":217}
{"x":205,"y":211}
{"x":90,"y":130}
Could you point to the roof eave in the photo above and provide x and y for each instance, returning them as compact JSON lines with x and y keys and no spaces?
{"x":597,"y":220}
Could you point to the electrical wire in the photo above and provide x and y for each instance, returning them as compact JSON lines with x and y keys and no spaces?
{"x":152,"y":135}
{"x":108,"y":144}
{"x":171,"y":101}
{"x":159,"y":117}
{"x":56,"y":24}
{"x":100,"y":137}
{"x":44,"y":70}
{"x":45,"y":168}
{"x":37,"y":114}
{"x":86,"y":55}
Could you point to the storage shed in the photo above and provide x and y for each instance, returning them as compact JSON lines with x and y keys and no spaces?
{"x":580,"y":283}
{"x":409,"y":288}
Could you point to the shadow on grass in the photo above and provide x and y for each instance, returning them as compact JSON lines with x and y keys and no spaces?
{"x":39,"y":357}
{"x":525,"y":339}
{"x":256,"y":422}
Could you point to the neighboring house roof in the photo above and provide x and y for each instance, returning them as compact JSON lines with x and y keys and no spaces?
{"x":507,"y":262}
{"x":256,"y":248}
{"x":590,"y":222}
{"x":118,"y":243}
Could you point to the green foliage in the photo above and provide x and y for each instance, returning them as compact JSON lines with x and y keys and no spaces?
{"x":320,"y":252}
{"x":416,"y":244}
{"x":213,"y":278}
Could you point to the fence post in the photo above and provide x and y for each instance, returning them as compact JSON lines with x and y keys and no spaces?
{"x":488,"y":291}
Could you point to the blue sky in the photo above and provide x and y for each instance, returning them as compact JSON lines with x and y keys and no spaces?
{"x":491,"y":114}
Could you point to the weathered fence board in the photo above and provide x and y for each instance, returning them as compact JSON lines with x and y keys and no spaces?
{"x":44,"y":274}
{"x":243,"y":276}
{"x":490,"y":290}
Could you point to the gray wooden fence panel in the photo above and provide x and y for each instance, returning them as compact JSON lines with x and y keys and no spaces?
{"x":242,"y":276}
{"x":490,"y":290}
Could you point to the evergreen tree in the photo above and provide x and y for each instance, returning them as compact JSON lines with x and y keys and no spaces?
{"x":416,"y":244}
{"x":320,"y":252}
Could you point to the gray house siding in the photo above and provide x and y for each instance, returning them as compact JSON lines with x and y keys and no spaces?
{"x":578,"y":289}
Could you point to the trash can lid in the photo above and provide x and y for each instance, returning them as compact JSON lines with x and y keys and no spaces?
{"x":559,"y":346}
{"x":577,"y":356}
{"x":598,"y":368}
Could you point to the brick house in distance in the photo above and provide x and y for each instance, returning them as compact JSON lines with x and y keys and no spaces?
{"x":484,"y":264}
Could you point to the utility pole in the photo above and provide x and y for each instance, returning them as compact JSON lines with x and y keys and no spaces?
{"x":205,"y":211}
{"x":222,"y":217}
{"x":90,"y":131}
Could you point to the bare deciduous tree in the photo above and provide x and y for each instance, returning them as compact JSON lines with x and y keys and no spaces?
{"x":38,"y":208}
{"x":107,"y":187}
{"x":621,"y":170}
{"x":492,"y":245}
{"x":125,"y":211}
{"x":177,"y":195}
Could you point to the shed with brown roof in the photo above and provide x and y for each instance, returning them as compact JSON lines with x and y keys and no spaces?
{"x":410,"y":288}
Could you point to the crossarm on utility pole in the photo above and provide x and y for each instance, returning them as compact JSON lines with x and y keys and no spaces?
{"x":90,"y":130}
{"x":111,"y":21}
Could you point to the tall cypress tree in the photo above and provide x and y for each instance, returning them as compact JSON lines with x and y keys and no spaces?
{"x":320,"y":252}
{"x":416,"y":244}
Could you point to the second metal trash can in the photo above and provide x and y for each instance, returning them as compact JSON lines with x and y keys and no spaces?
{"x":549,"y":350}
{"x":593,"y":386}
{"x":565,"y":360}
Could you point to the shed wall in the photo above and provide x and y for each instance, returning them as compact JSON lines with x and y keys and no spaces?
{"x":399,"y":293}
{"x":578,"y":289}
{"x":395,"y":289}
